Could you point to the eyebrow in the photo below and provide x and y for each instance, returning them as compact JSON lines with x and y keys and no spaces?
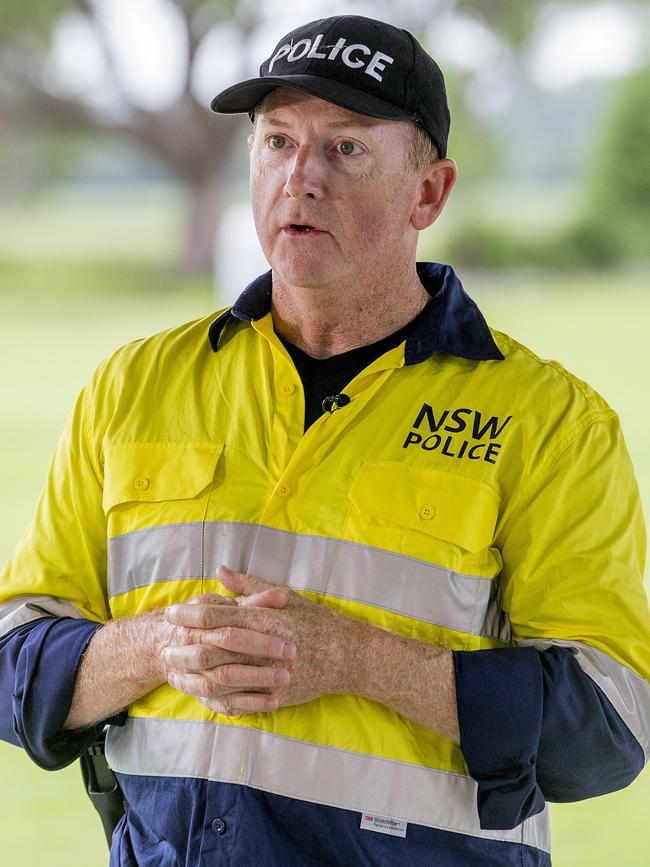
{"x":337,"y":124}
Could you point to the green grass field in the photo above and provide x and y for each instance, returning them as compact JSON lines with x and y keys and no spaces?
{"x":58,"y":320}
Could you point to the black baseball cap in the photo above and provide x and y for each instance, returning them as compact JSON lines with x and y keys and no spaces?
{"x":358,"y":63}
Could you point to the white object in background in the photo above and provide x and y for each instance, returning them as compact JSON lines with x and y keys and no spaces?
{"x":238,"y":257}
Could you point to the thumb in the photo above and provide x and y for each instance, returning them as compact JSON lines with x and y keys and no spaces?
{"x":257,"y":592}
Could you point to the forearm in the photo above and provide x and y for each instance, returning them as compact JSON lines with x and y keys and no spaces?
{"x":413,"y":678}
{"x":120,"y":665}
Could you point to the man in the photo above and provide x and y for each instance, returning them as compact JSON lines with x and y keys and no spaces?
{"x":435,"y":621}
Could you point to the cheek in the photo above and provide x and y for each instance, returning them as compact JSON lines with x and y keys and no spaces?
{"x":382,"y":217}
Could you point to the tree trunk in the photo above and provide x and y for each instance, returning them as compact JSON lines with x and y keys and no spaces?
{"x":205,"y":210}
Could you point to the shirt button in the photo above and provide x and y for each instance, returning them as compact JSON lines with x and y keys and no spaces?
{"x":288,"y":388}
{"x":283,"y":490}
{"x":218,"y":826}
{"x":427,"y":511}
{"x":141,"y":483}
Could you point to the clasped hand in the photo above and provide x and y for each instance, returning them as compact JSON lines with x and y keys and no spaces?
{"x":266,"y":648}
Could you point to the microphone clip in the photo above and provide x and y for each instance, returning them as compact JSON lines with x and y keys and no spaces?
{"x":335,"y":401}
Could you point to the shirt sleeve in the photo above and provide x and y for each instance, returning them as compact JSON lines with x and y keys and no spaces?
{"x":564,"y":713}
{"x":53,"y":598}
{"x":38,"y":667}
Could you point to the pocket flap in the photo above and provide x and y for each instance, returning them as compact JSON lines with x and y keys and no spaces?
{"x":450,"y":507}
{"x":153,"y":472}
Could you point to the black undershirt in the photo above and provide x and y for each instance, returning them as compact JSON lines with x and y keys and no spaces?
{"x":323,"y":377}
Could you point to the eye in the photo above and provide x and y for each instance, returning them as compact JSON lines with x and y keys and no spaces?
{"x":348,"y":148}
{"x":277,"y":141}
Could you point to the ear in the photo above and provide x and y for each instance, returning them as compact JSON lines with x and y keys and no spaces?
{"x":436,"y":182}
{"x":249,"y":142}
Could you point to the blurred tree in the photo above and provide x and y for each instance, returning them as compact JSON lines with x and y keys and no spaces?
{"x":185,"y":136}
{"x":618,"y":204}
{"x":190,"y":141}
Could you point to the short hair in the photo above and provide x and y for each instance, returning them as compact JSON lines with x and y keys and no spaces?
{"x":422,"y":150}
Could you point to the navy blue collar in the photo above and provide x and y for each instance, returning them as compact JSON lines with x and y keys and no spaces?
{"x":453,"y":324}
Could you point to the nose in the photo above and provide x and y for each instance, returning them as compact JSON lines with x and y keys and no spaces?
{"x":305,"y":176}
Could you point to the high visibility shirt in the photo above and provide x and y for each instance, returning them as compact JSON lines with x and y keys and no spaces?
{"x":469,"y":495}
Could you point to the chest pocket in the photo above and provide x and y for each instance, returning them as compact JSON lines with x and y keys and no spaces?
{"x":453,"y":517}
{"x":426,"y":550}
{"x":152,"y":484}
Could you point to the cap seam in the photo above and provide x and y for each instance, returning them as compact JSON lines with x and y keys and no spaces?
{"x":325,"y":36}
{"x":411,"y":70}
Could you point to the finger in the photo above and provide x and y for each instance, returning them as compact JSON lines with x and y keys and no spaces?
{"x":226,"y":679}
{"x":203,"y":616}
{"x":211,"y":599}
{"x":238,"y":703}
{"x":250,"y":643}
{"x":242,"y":583}
{"x":275,"y":597}
{"x":195,"y":657}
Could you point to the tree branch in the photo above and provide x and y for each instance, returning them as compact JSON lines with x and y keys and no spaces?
{"x":88,"y":9}
{"x":194,"y":38}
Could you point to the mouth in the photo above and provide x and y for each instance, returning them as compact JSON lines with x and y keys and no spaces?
{"x":302,"y":229}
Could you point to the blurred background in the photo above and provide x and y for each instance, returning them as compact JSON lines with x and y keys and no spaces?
{"x":123,"y":210}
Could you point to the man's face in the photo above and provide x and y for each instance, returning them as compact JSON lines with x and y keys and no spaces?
{"x":343,"y":175}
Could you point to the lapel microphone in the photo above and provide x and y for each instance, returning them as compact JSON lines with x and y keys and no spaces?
{"x":335,"y":401}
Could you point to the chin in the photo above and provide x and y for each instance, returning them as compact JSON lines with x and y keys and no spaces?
{"x":307,"y":275}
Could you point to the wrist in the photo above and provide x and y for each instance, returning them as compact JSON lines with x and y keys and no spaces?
{"x":157,"y":633}
{"x":414,"y":678}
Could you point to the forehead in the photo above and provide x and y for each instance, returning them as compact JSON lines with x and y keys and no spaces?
{"x":288,"y":103}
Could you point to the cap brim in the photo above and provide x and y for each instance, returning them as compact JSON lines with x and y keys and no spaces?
{"x":243,"y":97}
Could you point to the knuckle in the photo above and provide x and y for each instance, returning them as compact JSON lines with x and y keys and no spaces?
{"x":214,"y":689}
{"x":205,"y":616}
{"x":227,"y":676}
{"x":257,"y":620}
{"x":223,"y":676}
{"x":203,"y":655}
{"x":284,"y":594}
{"x":228,"y":637}
{"x":199,"y":600}
{"x":227,"y":705}
{"x":180,"y":636}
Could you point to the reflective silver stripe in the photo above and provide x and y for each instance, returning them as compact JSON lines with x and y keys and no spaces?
{"x":24,"y":609}
{"x":309,"y":772}
{"x":628,"y":692}
{"x":345,"y":570}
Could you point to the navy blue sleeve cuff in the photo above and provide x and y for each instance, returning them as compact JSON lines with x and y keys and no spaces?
{"x":585,"y":748}
{"x":500,"y":704}
{"x":535,"y":728}
{"x":38,"y":669}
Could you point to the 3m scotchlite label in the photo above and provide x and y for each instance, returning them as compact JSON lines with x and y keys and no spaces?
{"x":363,"y":783}
{"x":384,"y":825}
{"x":338,"y":568}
